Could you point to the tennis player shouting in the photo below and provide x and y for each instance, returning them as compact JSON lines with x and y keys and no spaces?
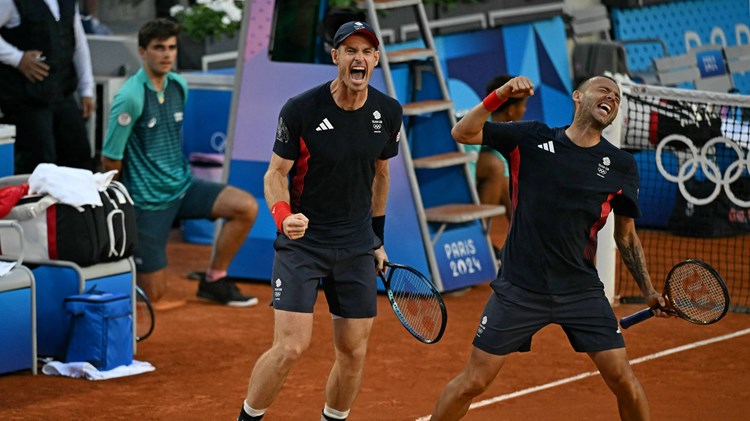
{"x":327,"y":185}
{"x":564,"y":182}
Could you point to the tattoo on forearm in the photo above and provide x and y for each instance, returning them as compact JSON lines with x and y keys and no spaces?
{"x":634,"y":259}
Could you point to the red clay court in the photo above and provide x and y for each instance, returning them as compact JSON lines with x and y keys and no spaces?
{"x":204,"y":354}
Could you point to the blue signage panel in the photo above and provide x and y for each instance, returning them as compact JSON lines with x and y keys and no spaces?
{"x":463,"y":257}
{"x":205,"y":126}
{"x":710,"y":63}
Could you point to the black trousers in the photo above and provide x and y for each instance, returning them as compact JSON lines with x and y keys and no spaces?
{"x":54,"y":133}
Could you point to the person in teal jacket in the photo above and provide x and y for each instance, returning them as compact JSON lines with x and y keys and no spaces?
{"x":144,"y":143}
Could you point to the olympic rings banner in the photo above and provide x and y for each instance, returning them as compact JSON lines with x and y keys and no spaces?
{"x":699,"y":159}
{"x":713,"y":183}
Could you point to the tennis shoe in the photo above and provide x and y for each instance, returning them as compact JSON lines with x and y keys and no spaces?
{"x":224,"y":292}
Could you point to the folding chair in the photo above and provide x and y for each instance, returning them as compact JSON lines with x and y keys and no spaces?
{"x":17,"y":313}
{"x":594,"y":50}
{"x":57,"y":279}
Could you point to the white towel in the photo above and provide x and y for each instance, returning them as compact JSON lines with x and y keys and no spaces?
{"x":102,"y":180}
{"x":71,"y":186}
{"x":6,"y":267}
{"x":88,"y":371}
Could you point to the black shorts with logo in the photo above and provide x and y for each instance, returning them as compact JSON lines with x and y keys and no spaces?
{"x":347,"y":275}
{"x":513,"y":315}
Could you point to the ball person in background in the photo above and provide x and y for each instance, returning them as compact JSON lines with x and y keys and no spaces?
{"x":144,"y":143}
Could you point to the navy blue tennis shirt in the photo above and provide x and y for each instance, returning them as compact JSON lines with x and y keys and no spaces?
{"x":335,"y":151}
{"x":561,"y":194}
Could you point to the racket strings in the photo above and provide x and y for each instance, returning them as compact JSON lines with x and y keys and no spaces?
{"x":697,"y":294}
{"x":417,"y":303}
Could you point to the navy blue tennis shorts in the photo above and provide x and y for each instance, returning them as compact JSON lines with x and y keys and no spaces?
{"x":153,"y":226}
{"x":513,"y":315}
{"x":347,"y":276}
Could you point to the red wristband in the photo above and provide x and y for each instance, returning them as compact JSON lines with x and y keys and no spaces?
{"x":280,"y":210}
{"x":492,"y":102}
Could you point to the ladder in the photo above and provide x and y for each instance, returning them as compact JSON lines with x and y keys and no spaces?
{"x":435,"y":168}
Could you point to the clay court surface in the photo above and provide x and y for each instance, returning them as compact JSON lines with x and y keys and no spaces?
{"x":204,"y":354}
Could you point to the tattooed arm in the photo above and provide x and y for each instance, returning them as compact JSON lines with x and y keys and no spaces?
{"x":634,"y":258}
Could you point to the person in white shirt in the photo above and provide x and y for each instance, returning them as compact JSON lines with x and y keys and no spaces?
{"x":44,"y":63}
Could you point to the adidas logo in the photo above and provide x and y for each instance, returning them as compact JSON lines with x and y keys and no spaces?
{"x":547,"y":146}
{"x":324,"y":125}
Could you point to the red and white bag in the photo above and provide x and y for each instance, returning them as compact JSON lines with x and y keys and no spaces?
{"x":85,"y":234}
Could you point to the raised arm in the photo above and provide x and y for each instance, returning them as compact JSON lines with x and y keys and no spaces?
{"x":469,"y":129}
{"x":632,"y":254}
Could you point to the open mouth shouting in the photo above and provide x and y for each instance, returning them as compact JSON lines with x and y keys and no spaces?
{"x":358,"y":73}
{"x":605,"y":107}
{"x":606,"y":111}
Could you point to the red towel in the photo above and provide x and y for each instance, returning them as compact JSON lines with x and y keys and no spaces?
{"x":10,"y":195}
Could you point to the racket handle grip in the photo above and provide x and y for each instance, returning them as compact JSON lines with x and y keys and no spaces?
{"x":636,"y":318}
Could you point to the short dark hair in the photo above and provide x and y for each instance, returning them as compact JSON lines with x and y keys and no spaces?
{"x":497,"y":82}
{"x":160,"y":28}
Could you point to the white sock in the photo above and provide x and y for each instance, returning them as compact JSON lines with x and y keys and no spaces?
{"x":332,"y":413}
{"x":253,"y":412}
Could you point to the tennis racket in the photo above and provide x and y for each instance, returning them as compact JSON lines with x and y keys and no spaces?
{"x":144,"y":315}
{"x":694,"y":291}
{"x":416,"y":302}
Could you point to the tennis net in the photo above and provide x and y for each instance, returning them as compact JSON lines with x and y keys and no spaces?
{"x":693,"y":155}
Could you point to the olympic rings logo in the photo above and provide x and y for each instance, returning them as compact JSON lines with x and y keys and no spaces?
{"x":710,"y":169}
{"x":219,"y":141}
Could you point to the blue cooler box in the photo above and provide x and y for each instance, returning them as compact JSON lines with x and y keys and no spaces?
{"x":101,"y":329}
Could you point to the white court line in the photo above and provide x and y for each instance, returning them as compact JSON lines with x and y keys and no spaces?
{"x":581,"y":376}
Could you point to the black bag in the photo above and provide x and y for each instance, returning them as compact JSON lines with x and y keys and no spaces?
{"x":119,"y":212}
{"x":85,"y":235}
